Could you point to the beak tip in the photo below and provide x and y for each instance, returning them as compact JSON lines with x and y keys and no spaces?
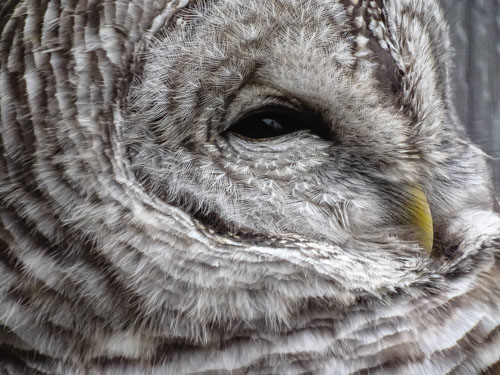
{"x":421,"y":217}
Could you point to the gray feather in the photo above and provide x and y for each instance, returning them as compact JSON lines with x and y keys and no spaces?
{"x":140,"y":234}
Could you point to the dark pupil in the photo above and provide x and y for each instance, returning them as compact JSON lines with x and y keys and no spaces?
{"x":268,"y":125}
{"x":273,"y":124}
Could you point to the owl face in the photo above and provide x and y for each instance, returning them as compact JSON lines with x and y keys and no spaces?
{"x":263,"y":119}
{"x":240,"y":186}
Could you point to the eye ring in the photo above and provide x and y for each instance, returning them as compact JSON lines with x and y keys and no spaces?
{"x":273,"y":122}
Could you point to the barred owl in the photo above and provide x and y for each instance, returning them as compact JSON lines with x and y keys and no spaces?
{"x":240,"y":186}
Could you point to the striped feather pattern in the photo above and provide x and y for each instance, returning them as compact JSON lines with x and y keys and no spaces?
{"x":101,"y":275}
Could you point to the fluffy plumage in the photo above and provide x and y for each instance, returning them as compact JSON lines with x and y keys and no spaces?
{"x":140,"y":234}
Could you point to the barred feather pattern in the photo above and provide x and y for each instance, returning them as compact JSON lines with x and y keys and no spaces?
{"x":139,"y":235}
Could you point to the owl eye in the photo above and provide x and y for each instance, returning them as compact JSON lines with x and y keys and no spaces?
{"x":270,"y":123}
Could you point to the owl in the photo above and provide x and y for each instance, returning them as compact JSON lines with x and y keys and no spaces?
{"x":240,"y":187}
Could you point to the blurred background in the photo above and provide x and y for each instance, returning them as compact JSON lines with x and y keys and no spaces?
{"x":475,"y":36}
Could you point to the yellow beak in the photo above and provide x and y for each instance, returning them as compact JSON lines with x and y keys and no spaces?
{"x":420,"y":216}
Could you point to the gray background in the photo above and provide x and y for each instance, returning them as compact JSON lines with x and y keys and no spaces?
{"x":475,"y":36}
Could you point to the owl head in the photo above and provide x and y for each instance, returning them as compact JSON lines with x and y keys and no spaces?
{"x":244,"y":186}
{"x":319,"y":139}
{"x":321,"y":120}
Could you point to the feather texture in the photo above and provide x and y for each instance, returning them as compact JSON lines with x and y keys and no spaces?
{"x":138,"y":234}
